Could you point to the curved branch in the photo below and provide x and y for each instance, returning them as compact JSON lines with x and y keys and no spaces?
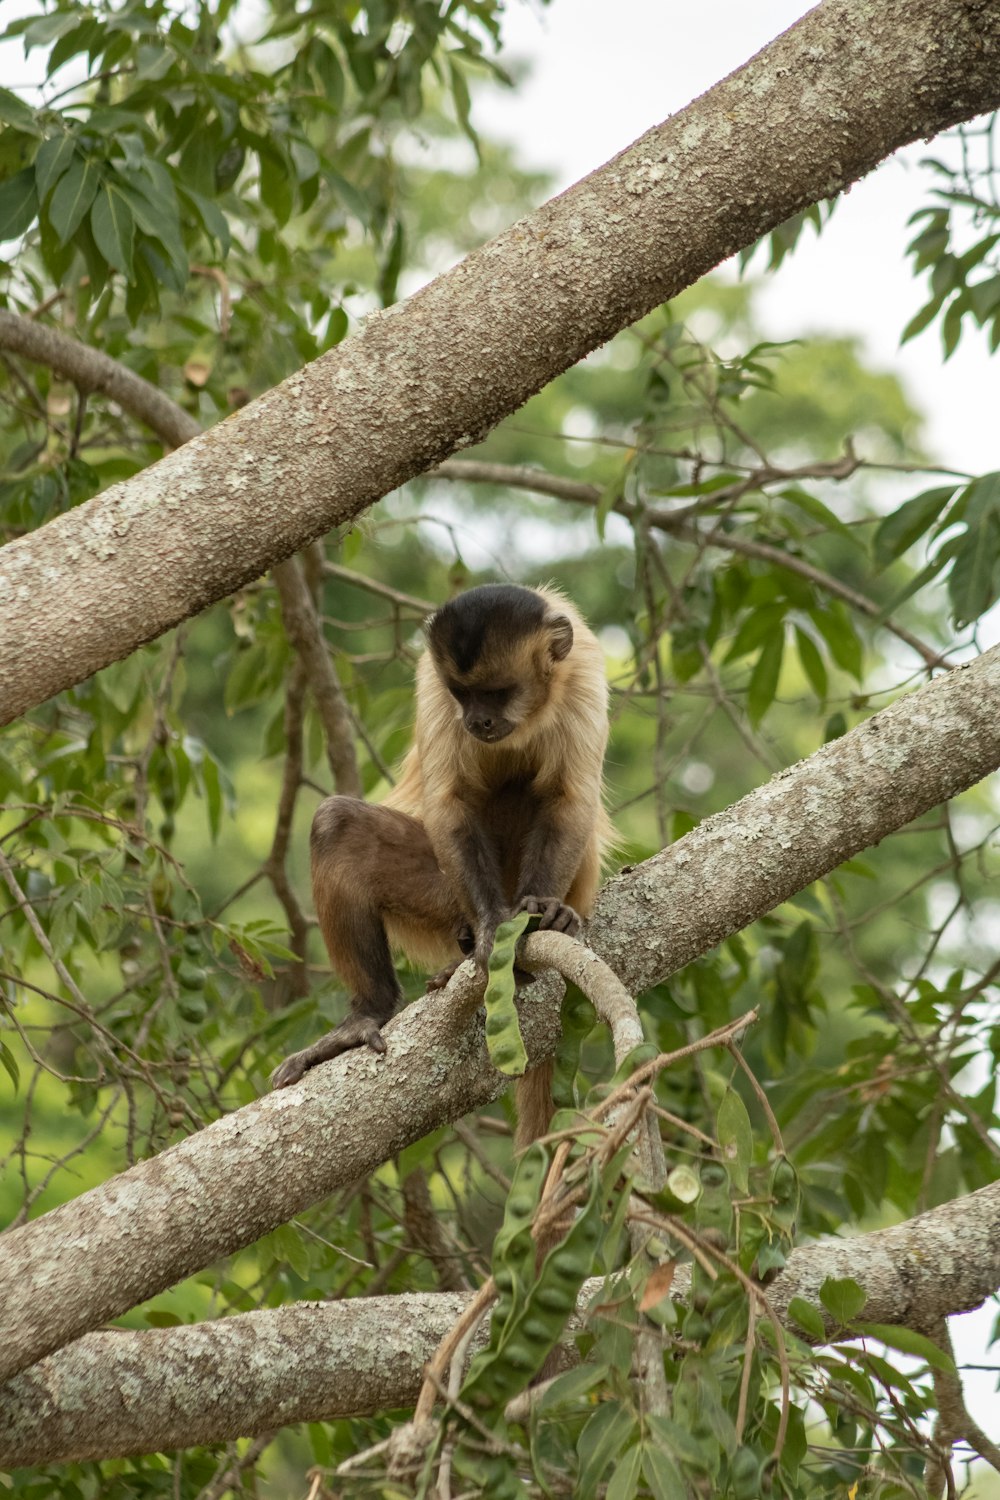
{"x":90,"y":371}
{"x":306,"y":636}
{"x":91,"y":1259}
{"x":846,"y":85}
{"x":111,"y":1394}
{"x":614,"y":1005}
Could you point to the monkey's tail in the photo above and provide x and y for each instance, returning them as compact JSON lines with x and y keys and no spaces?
{"x":533,"y":1097}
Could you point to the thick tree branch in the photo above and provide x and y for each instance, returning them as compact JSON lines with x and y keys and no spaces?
{"x":95,"y":1257}
{"x":122,"y":1392}
{"x":848,"y":84}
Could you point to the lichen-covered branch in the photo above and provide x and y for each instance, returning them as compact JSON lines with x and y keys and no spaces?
{"x":121,"y":1392}
{"x":846,"y":85}
{"x":93,"y":1258}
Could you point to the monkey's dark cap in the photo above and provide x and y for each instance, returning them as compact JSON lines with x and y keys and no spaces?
{"x":488,"y":618}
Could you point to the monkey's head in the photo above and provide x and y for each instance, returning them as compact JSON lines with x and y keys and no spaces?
{"x":496,"y":649}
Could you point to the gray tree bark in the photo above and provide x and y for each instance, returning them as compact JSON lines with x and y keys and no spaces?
{"x":811,"y":113}
{"x":93,"y":1258}
{"x":112,"y":1394}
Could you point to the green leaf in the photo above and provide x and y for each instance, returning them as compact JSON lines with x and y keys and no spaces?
{"x":14,"y":111}
{"x":735,"y":1135}
{"x":114,"y":228}
{"x":758,"y":626}
{"x":462,"y":101}
{"x":388,"y":278}
{"x":157,"y":1319}
{"x":808,"y":1319}
{"x":817,"y":511}
{"x":599,"y":1444}
{"x":835,"y":626}
{"x":9,"y":1062}
{"x":972,"y":582}
{"x":907,"y":524}
{"x":907,"y":1342}
{"x":951,"y":325}
{"x":624,"y":1481}
{"x":919,"y":322}
{"x":985,"y":297}
{"x":569,"y":1388}
{"x":276,"y":177}
{"x":73,"y":195}
{"x":765,"y":675}
{"x":18,"y":204}
{"x":980,"y":497}
{"x":843,"y":1298}
{"x":662,"y":1475}
{"x":213,"y":220}
{"x":54,"y":158}
{"x":503,"y":1033}
{"x":812,"y":662}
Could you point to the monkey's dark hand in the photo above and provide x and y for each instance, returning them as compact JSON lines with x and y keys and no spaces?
{"x":555,"y":914}
{"x":356,"y":1031}
{"x":440,"y":979}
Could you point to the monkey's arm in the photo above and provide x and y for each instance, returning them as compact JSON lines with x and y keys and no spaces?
{"x":471,"y":861}
{"x":559,"y":860}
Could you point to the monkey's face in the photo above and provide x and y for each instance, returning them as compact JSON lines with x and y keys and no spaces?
{"x":495,"y":649}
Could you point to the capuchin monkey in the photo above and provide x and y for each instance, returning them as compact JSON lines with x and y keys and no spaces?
{"x":498,"y":809}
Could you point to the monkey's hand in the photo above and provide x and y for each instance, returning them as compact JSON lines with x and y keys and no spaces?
{"x":356,"y":1031}
{"x":555,"y":915}
{"x":440,"y":979}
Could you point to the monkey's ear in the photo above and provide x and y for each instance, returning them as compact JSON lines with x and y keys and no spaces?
{"x":560,"y":637}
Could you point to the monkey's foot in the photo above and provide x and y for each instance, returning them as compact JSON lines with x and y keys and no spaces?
{"x":555,"y":914}
{"x":356,"y":1031}
{"x":440,"y":979}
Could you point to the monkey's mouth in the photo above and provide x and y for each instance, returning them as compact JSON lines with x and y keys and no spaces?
{"x":494,"y":733}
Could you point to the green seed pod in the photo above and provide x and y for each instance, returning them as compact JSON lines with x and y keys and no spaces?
{"x":503,"y":1034}
{"x":576,"y":1020}
{"x":681,"y":1189}
{"x":192,"y":1008}
{"x":552,"y":1298}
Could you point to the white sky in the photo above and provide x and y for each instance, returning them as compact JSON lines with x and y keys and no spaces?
{"x":601,"y":74}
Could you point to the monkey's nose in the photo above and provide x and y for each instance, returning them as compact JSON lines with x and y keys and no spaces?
{"x":481,"y":725}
